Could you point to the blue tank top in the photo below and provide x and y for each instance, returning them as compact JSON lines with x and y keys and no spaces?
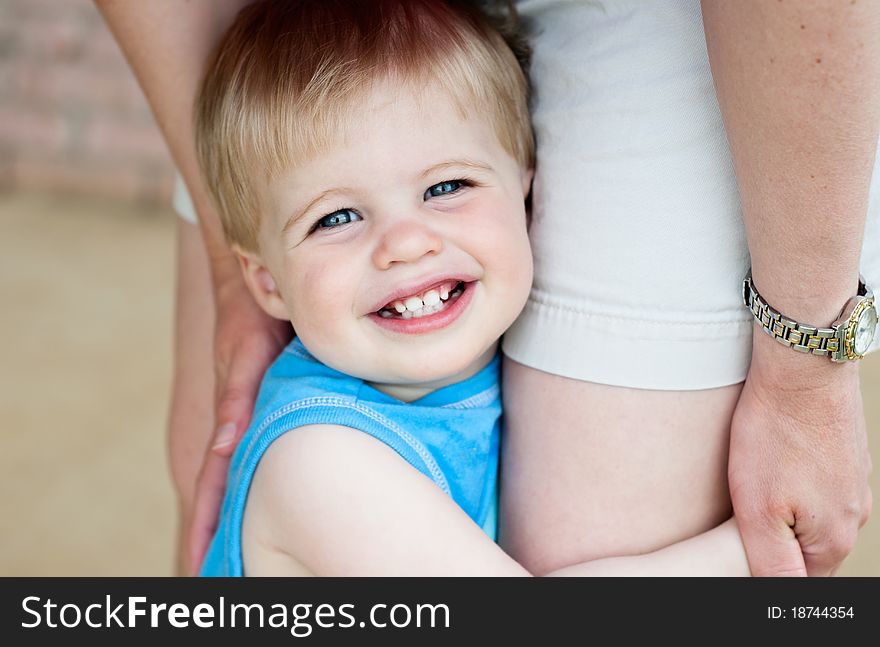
{"x":450,"y":435}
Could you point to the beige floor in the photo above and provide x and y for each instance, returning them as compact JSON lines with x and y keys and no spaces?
{"x":85,"y":364}
{"x":85,"y":342}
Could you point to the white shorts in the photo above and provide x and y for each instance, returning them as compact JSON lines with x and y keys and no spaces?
{"x":640,"y":249}
{"x":639,"y":244}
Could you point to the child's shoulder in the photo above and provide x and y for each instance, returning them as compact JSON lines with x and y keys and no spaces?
{"x":319,"y":484}
{"x":319,"y":453}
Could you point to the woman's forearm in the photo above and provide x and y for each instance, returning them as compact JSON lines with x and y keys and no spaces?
{"x":799,"y":88}
{"x":167,"y":43}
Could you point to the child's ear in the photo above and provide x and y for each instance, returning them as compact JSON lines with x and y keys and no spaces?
{"x":261,"y":284}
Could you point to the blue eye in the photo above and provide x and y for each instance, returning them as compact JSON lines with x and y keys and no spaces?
{"x":337,"y":218}
{"x":444,"y":188}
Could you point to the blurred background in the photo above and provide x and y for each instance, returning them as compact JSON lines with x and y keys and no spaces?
{"x":86,"y":307}
{"x":86,"y":287}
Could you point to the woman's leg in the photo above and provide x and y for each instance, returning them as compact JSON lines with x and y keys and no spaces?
{"x":191,"y":418}
{"x":592,"y":471}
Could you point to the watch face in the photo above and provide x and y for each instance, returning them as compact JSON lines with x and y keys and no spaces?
{"x":865,"y":327}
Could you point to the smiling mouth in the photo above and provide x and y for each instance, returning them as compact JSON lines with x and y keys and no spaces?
{"x":431,"y":302}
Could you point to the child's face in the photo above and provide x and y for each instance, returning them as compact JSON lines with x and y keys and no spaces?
{"x":416,"y":208}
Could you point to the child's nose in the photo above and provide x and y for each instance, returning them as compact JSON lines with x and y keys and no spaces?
{"x":406,"y":241}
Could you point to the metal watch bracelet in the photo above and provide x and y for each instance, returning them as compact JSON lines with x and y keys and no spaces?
{"x":788,"y":332}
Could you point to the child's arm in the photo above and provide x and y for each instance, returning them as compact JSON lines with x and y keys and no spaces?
{"x":339,"y":502}
{"x":718,"y":552}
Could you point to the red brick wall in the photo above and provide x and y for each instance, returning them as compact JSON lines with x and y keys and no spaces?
{"x":72,"y":117}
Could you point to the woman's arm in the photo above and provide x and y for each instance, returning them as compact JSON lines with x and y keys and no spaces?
{"x":341,"y":503}
{"x":797,"y":83}
{"x":167,"y":44}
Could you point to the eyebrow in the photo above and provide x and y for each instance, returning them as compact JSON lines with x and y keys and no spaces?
{"x":461,"y":163}
{"x":297,"y":216}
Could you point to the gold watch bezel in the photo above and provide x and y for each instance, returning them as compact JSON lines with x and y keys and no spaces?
{"x":849,"y":339}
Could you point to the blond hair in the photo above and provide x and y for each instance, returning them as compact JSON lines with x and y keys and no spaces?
{"x":287,"y":74}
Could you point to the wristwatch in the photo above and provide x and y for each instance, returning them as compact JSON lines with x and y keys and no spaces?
{"x":848,"y":338}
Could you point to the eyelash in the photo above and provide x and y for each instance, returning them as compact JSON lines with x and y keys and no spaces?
{"x":462,"y":182}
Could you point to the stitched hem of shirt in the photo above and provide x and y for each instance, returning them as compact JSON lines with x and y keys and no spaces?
{"x":430,"y":464}
{"x":476,"y":401}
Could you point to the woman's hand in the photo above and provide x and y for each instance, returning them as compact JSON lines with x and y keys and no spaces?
{"x":246,"y":341}
{"x":799,"y":462}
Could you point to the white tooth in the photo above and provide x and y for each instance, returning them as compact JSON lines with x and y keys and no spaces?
{"x":431,"y":298}
{"x":407,"y":314}
{"x":413,"y":303}
{"x":384,"y":313}
{"x":399,"y":307}
{"x":444,"y":292}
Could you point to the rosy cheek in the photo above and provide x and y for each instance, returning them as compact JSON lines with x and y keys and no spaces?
{"x":325,"y":287}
